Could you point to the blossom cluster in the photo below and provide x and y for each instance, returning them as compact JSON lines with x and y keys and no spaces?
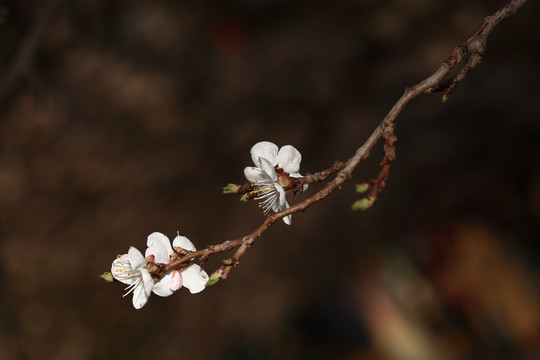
{"x":134,"y":269}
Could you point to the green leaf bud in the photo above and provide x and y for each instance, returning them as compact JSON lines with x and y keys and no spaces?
{"x":231,"y":189}
{"x":107,"y":276}
{"x":214,"y":278}
{"x":445,"y":97}
{"x":362,"y":188}
{"x":363,"y":204}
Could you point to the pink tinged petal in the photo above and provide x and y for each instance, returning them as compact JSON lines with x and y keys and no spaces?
{"x":289,"y":159}
{"x":265,"y":150}
{"x":184,"y":243}
{"x":159,"y":246}
{"x":143,"y":289}
{"x":162,"y":287}
{"x":176,"y":281}
{"x":268,"y":168}
{"x":195,"y":278}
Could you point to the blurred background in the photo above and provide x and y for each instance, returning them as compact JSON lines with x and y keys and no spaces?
{"x":121,"y":118}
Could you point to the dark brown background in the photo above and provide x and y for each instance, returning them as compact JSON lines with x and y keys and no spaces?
{"x":120,"y":118}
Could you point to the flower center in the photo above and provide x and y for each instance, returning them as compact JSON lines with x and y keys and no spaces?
{"x":284,"y":180}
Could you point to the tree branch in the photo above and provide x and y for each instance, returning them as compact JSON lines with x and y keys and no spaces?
{"x":468,"y":55}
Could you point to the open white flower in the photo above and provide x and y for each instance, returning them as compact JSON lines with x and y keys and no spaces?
{"x":192,"y":277}
{"x":272,"y":172}
{"x":129,"y":269}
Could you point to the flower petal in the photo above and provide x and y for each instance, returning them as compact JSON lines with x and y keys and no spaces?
{"x":159,"y":246}
{"x":255,"y":174}
{"x":268,"y":168}
{"x":121,"y":270}
{"x":184,"y":243}
{"x":162,"y":287}
{"x":266,"y":150}
{"x":287,"y":219}
{"x":296,"y":175}
{"x":194,"y":278}
{"x":176,"y":280}
{"x":142,"y":291}
{"x":281,"y":204}
{"x":136,"y":259}
{"x":147,"y":281}
{"x":288,"y":158}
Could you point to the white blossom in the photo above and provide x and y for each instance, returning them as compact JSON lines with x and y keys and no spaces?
{"x":272,"y":171}
{"x":193,"y":277}
{"x":130,"y":269}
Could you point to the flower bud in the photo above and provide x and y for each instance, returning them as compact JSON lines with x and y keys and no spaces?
{"x":214,"y":278}
{"x":244,"y":197}
{"x":230,"y":261}
{"x":445,"y":97}
{"x":152,"y":268}
{"x":362,"y":188}
{"x":150,"y":258}
{"x":363,"y":204}
{"x":107,"y":276}
{"x":231,"y":189}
